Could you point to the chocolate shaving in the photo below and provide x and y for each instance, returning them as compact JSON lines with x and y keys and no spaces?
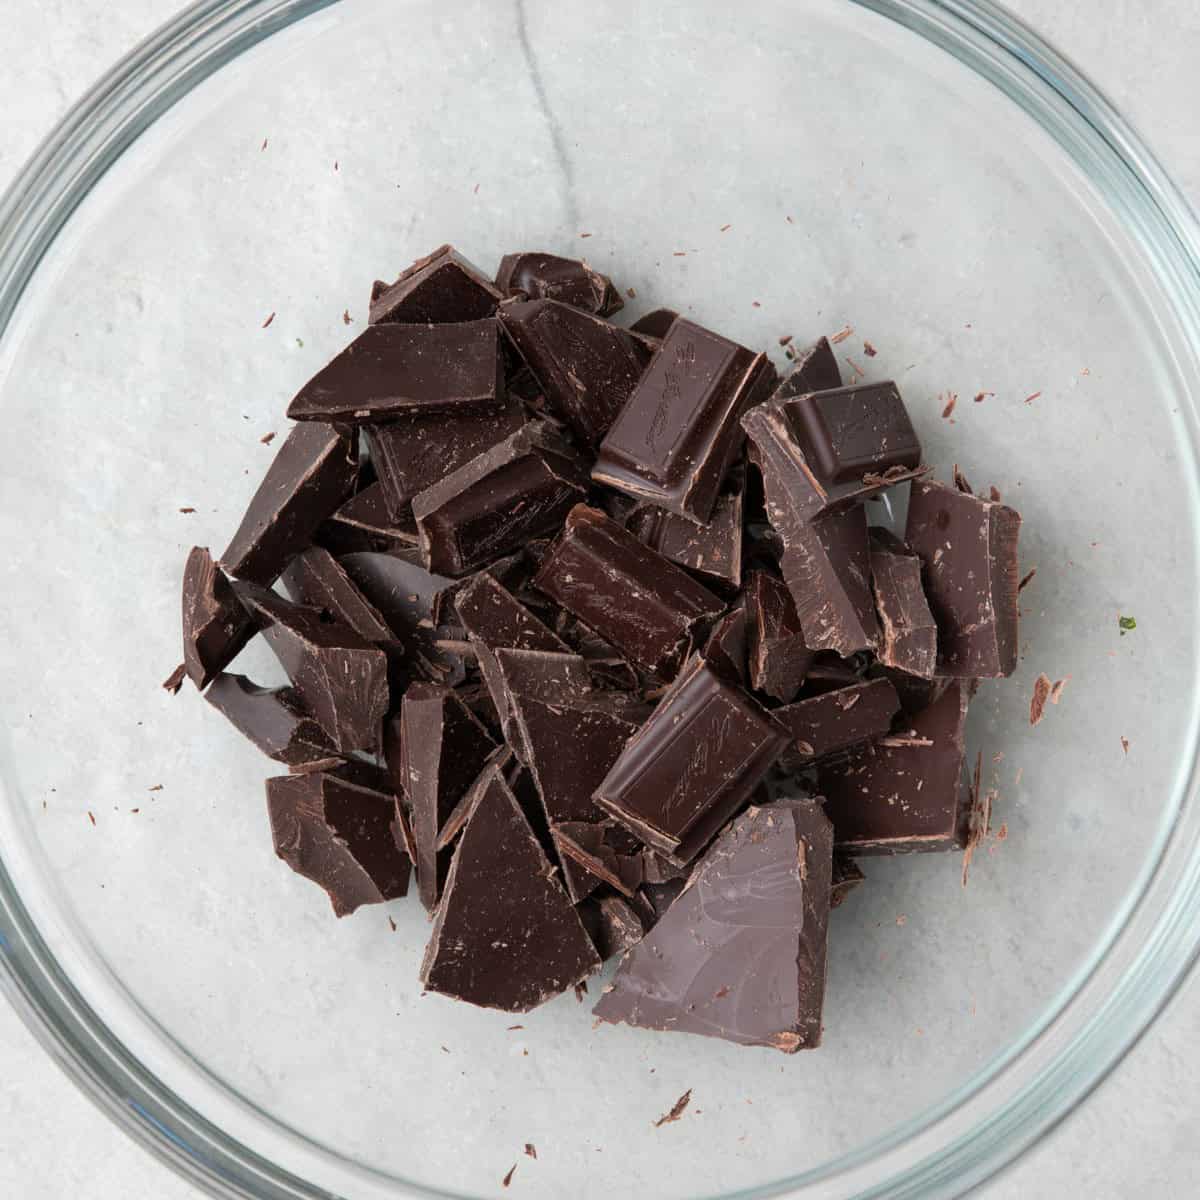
{"x":267,"y":438}
{"x":530,"y":1150}
{"x":950,"y":403}
{"x":841,"y":335}
{"x":271,"y":318}
{"x":960,"y":482}
{"x":1026,"y":578}
{"x":679,"y":1107}
{"x":1057,"y":690}
{"x":174,"y":681}
{"x":513,"y":1169}
{"x":1125,"y":744}
{"x":1041,"y":693}
{"x":869,"y":350}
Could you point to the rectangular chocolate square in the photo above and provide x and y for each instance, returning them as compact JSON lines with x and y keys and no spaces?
{"x":837,"y":720}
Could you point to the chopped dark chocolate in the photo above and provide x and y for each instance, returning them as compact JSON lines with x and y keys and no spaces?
{"x":837,"y":720}
{"x":364,"y":522}
{"x":779,"y":657}
{"x":907,"y":632}
{"x":215,"y":625}
{"x":679,"y":432}
{"x":586,"y":366}
{"x":613,"y":924}
{"x":521,"y":488}
{"x":317,"y":579}
{"x":536,"y":275}
{"x":312,"y":473}
{"x":272,"y":718}
{"x":647,"y":607}
{"x":847,"y":875}
{"x":442,"y":287}
{"x":726,"y":650}
{"x":968,"y":547}
{"x":506,"y":935}
{"x":554,"y":675}
{"x":340,"y":677}
{"x":656,"y":323}
{"x":740,"y":955}
{"x":588,"y":846}
{"x":693,"y":764}
{"x":815,"y":370}
{"x":335,"y":831}
{"x":907,"y":790}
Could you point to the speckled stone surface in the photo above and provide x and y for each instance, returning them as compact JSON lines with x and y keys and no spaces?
{"x":1133,"y":1137}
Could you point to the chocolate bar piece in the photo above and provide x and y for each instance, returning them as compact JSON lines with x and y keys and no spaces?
{"x":272,"y":718}
{"x":590,"y":847}
{"x":443,"y":748}
{"x":968,"y":547}
{"x":536,"y":275}
{"x":907,"y":631}
{"x":215,"y":626}
{"x":313,"y":472}
{"x":905,"y":791}
{"x":521,"y":488}
{"x":340,"y":677}
{"x":847,"y":875}
{"x":317,"y":579}
{"x":563,"y":677}
{"x":837,"y":720}
{"x":586,"y":366}
{"x":613,"y":925}
{"x":389,"y":370}
{"x":331,"y":829}
{"x":365,"y":522}
{"x":726,"y":649}
{"x":692,"y":765}
{"x":656,"y":323}
{"x":647,"y":607}
{"x":740,"y":955}
{"x":440,"y":288}
{"x":679,"y":432}
{"x":815,"y":370}
{"x":416,"y":450}
{"x":779,"y":657}
{"x":511,"y":946}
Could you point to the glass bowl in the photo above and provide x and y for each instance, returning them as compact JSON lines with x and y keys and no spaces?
{"x":929,"y":174}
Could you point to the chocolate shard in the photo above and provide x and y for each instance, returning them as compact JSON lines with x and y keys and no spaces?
{"x":317,"y":579}
{"x":680,"y":430}
{"x":657,"y":898}
{"x":340,"y":677}
{"x":826,"y":565}
{"x":968,"y":547}
{"x":332,"y":829}
{"x":726,"y":650}
{"x":592,"y":847}
{"x":443,"y":749}
{"x":692,"y":765}
{"x":521,"y":488}
{"x":562,"y":677}
{"x":656,"y":323}
{"x":713,"y":549}
{"x":272,"y":718}
{"x":815,"y":370}
{"x":364,"y":522}
{"x":829,"y":672}
{"x":313,"y":472}
{"x":824,"y":450}
{"x":510,"y":947}
{"x":779,"y":657}
{"x":613,"y":925}
{"x":847,"y":875}
{"x":535,"y":275}
{"x":905,"y":791}
{"x":647,"y":607}
{"x":441,"y":288}
{"x":586,"y":366}
{"x":916,"y":693}
{"x":394,"y":369}
{"x":415,"y":450}
{"x":837,"y":720}
{"x":907,"y":631}
{"x":215,"y":626}
{"x":740,"y":955}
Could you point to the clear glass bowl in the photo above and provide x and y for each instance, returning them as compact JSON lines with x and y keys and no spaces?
{"x":928,"y":173}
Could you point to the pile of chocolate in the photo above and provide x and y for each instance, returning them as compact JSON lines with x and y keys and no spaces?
{"x":591,"y":627}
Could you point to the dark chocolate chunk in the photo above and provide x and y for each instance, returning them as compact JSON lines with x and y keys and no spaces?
{"x":779,"y":657}
{"x":647,"y":607}
{"x":443,"y":749}
{"x":829,"y":672}
{"x":317,"y":579}
{"x":313,"y":472}
{"x":815,"y":370}
{"x":417,"y":450}
{"x":394,"y":369}
{"x":907,"y":632}
{"x":364,"y":522}
{"x":656,"y":323}
{"x":726,"y":650}
{"x":506,"y":935}
{"x":847,"y":875}
{"x":692,"y":765}
{"x":521,"y":488}
{"x":613,"y":925}
{"x":335,"y":831}
{"x":586,"y":366}
{"x":590,"y":847}
{"x":658,"y":897}
{"x":340,"y":677}
{"x":969,"y":550}
{"x":916,"y":693}
{"x":837,"y":720}
{"x":905,"y":791}
{"x":536,"y":275}
{"x":680,"y":430}
{"x":740,"y":955}
{"x":551,"y":674}
{"x":272,"y":718}
{"x":215,"y":625}
{"x":439,"y":288}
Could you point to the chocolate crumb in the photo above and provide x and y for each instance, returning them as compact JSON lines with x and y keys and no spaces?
{"x":1057,"y":690}
{"x":581,"y":990}
{"x":582,"y":235}
{"x":789,"y":220}
{"x":677,"y":1110}
{"x":980,"y":397}
{"x":1002,"y":833}
{"x":679,"y":254}
{"x":1026,"y":578}
{"x":263,"y":146}
{"x":475,"y":190}
{"x":902,"y":919}
{"x":960,"y":482}
{"x":1031,"y":399}
{"x":91,"y":816}
{"x":346,"y":317}
{"x":135,"y":810}
{"x":268,"y":321}
{"x":513,"y":1169}
{"x":1125,"y":744}
{"x":950,"y":403}
{"x":512,"y":1027}
{"x":267,"y":438}
{"x":631,"y":293}
{"x":188,"y":509}
{"x":158,"y":787}
{"x":869,"y":350}
{"x":755,"y":304}
{"x":841,"y":335}
{"x":725,"y":228}
{"x":1041,"y":693}
{"x":785,"y":339}
{"x":392,"y":923}
{"x":174,"y":681}
{"x":994,"y":494}
{"x":531,"y":1150}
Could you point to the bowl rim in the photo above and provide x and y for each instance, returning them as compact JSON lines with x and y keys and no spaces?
{"x":1151,"y":944}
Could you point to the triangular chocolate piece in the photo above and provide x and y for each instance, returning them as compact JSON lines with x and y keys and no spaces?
{"x":272,"y":718}
{"x":215,"y":626}
{"x":613,"y":925}
{"x":441,"y":287}
{"x":364,"y":522}
{"x":506,"y":935}
{"x":740,"y":955}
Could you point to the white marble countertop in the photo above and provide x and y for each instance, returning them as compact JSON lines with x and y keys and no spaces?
{"x":1135,"y":1135}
